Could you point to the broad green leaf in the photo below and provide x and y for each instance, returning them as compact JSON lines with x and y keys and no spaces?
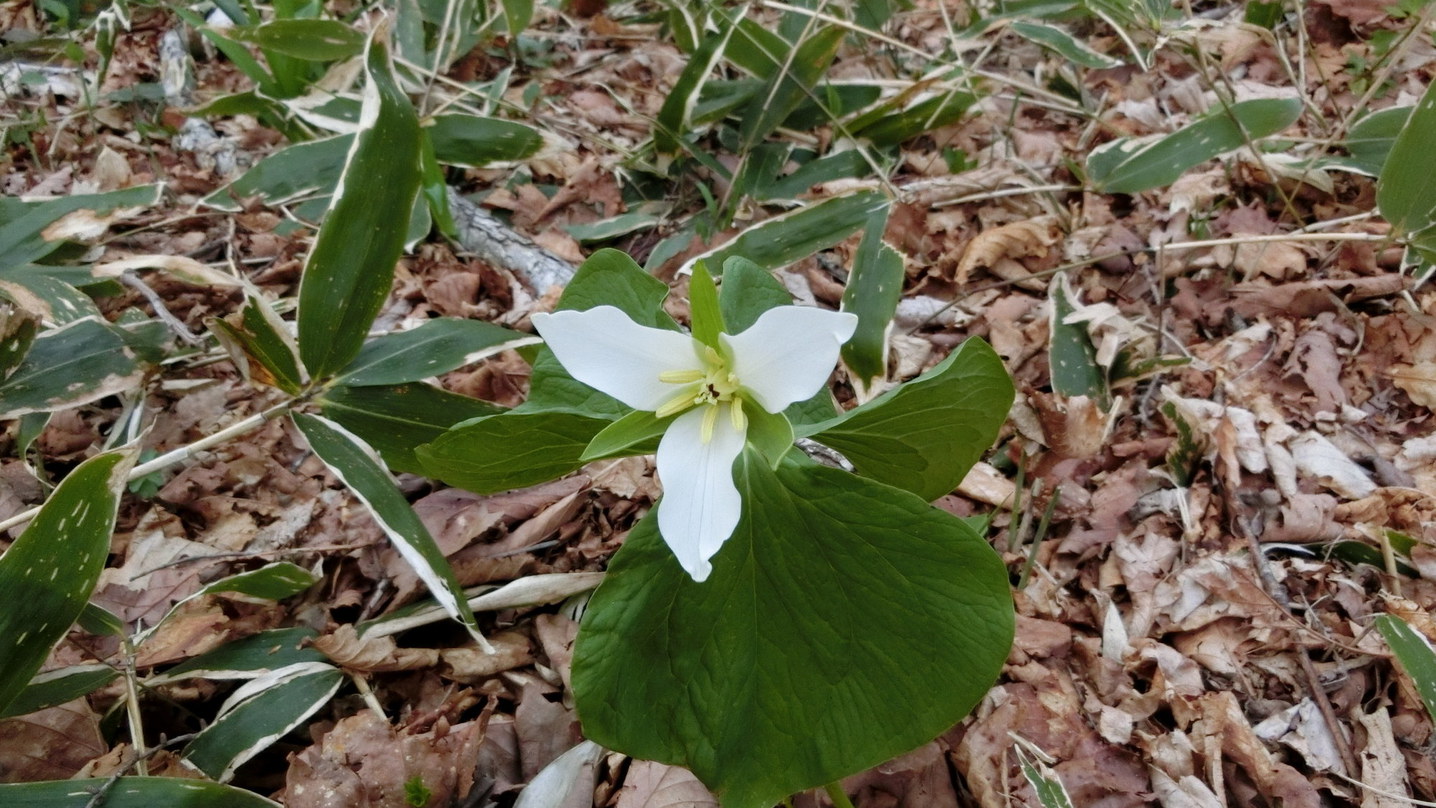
{"x":259,"y":713}
{"x":1370,"y":139}
{"x":635,"y":433}
{"x":1132,"y":165}
{"x":437,"y":346}
{"x":675,"y":118}
{"x":845,"y":623}
{"x":308,"y":39}
{"x":59,"y":686}
{"x":359,"y":468}
{"x":789,"y":237}
{"x":607,"y":278}
{"x":1063,"y":43}
{"x":17,"y":334}
{"x":749,"y":290}
{"x":1414,"y":653}
{"x":261,"y":346}
{"x":1071,"y":355}
{"x":508,"y":451}
{"x":351,"y":267}
{"x":23,"y":223}
{"x":130,"y":792}
{"x":873,"y":291}
{"x":78,"y":363}
{"x":48,"y":573}
{"x":475,"y":141}
{"x":797,"y":76}
{"x":610,"y":278}
{"x":295,"y":172}
{"x":1404,"y":191}
{"x":396,"y":419}
{"x":248,"y":658}
{"x":924,"y":436}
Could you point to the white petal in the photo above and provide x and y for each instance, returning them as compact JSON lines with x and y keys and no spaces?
{"x":700,"y":505}
{"x":608,"y":351}
{"x":787,"y":354}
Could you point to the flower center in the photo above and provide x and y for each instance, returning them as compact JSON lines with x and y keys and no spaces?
{"x":713,"y":385}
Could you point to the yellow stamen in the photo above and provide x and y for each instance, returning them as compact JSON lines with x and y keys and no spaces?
{"x":681,"y":376}
{"x":740,"y":418}
{"x":710,"y":419}
{"x":677,"y":404}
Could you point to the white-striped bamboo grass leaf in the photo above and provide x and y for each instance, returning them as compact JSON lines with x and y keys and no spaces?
{"x":351,"y":267}
{"x":897,"y":120}
{"x":1071,"y":356}
{"x":1414,"y":653}
{"x":360,"y":469}
{"x":530,"y":590}
{"x":789,"y":86}
{"x":1404,"y":192}
{"x":1063,"y":44}
{"x":272,"y":582}
{"x":873,"y":290}
{"x":59,"y":686}
{"x":51,"y":295}
{"x":508,"y":451}
{"x":261,"y":346}
{"x":789,"y":237}
{"x":675,"y":117}
{"x":396,"y":419}
{"x":296,"y":172}
{"x":1043,"y":779}
{"x":1369,"y":141}
{"x":621,"y":225}
{"x":475,"y":141}
{"x":48,"y":574}
{"x":517,"y":14}
{"x":437,"y":346}
{"x":17,"y":334}
{"x":130,"y":792}
{"x":925,"y":435}
{"x":308,"y":39}
{"x":247,"y":658}
{"x":23,"y":224}
{"x":259,"y":713}
{"x":101,"y":622}
{"x":1132,"y":165}
{"x":753,"y":48}
{"x":730,"y":707}
{"x":75,"y":364}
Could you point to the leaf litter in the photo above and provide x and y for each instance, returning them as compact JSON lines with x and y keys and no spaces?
{"x":1189,"y":635}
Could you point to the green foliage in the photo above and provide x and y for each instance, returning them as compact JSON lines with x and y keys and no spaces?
{"x":1414,"y":653}
{"x":48,"y":573}
{"x":760,"y":706}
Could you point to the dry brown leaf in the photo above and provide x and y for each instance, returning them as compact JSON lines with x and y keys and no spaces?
{"x":656,"y":785}
{"x":471,"y":664}
{"x":52,"y":744}
{"x":1024,"y":239}
{"x":372,"y":654}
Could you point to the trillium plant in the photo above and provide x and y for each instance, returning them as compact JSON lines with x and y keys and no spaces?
{"x":775,"y":623}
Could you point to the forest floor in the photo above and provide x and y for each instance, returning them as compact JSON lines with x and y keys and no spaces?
{"x":1196,"y":625}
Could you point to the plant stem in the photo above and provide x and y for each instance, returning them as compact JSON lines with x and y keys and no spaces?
{"x":178,"y":455}
{"x":838,"y":796}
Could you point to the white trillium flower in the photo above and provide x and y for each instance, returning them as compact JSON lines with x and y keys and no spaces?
{"x":782,"y":358}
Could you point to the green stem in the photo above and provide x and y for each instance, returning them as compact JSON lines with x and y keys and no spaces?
{"x":838,"y":796}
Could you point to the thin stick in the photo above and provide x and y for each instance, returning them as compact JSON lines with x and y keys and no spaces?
{"x":838,"y":796}
{"x":178,"y":455}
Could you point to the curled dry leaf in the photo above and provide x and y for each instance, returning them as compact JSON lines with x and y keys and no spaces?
{"x":372,"y":654}
{"x":1026,"y":239}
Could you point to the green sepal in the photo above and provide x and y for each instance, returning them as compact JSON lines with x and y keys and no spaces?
{"x":634,"y":434}
{"x":771,"y":434}
{"x":703,"y":305}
